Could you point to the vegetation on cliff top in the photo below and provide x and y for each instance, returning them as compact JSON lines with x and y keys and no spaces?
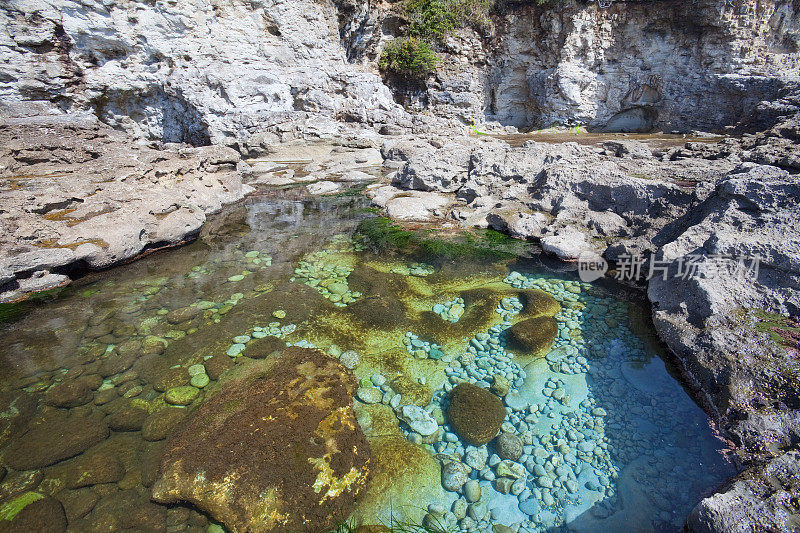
{"x":430,"y":21}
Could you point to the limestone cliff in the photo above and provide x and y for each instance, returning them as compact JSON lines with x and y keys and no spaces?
{"x":198,"y":71}
{"x":634,"y":65}
{"x":219,"y":71}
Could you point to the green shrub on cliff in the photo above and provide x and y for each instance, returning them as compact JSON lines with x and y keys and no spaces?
{"x":409,"y":56}
{"x":433,"y":19}
{"x":429,"y":21}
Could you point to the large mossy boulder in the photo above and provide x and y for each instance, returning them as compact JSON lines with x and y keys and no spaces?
{"x":475,"y":413}
{"x":537,"y":302}
{"x":533,"y":336}
{"x":277,"y":448}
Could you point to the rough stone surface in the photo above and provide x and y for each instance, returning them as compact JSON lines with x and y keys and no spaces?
{"x":760,"y":499}
{"x":113,"y":200}
{"x":276,"y":449}
{"x":534,"y":336}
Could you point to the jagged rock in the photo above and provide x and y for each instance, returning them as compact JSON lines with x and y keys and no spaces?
{"x":117,"y":200}
{"x":276,"y":448}
{"x":568,"y":246}
{"x":756,"y":500}
{"x":704,"y":318}
{"x":418,"y":206}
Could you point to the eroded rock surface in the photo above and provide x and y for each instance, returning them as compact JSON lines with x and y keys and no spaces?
{"x":80,"y":195}
{"x":276,"y":449}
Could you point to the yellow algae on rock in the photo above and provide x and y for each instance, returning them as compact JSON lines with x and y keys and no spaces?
{"x":277,"y":448}
{"x":405,"y":479}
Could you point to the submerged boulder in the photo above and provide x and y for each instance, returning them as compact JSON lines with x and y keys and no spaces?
{"x":534,"y":335}
{"x":53,"y":438}
{"x":536,"y":302}
{"x":276,"y":449}
{"x":475,"y":413}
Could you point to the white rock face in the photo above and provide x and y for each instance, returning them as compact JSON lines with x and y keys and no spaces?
{"x":631,"y":66}
{"x":191,"y":71}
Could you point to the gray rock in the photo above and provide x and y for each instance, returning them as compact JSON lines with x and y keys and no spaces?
{"x":509,"y":446}
{"x":472,"y":491}
{"x":754,"y":501}
{"x":323,"y":187}
{"x":418,"y":419}
{"x":454,"y":475}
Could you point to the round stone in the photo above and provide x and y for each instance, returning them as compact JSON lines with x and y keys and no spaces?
{"x":475,"y":413}
{"x":454,"y":475}
{"x":280,"y":313}
{"x":183,"y":395}
{"x":235,"y":350}
{"x":200,"y":380}
{"x":509,"y":446}
{"x":369,"y":395}
{"x":472,"y":490}
{"x":197,"y":369}
{"x":337,"y":288}
{"x":350,"y":359}
{"x":241,"y":339}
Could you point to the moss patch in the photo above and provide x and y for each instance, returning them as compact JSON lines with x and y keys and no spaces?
{"x":533,"y":336}
{"x":475,"y":413}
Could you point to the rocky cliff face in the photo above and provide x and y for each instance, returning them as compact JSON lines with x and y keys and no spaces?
{"x":219,"y":71}
{"x":633,"y":66}
{"x":201,"y":71}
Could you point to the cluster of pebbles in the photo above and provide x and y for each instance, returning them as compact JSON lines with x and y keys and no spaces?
{"x":273,"y":329}
{"x":421,"y":349}
{"x":322,"y":271}
{"x":450,"y":311}
{"x":257,"y":260}
{"x":419,"y":270}
{"x":560,"y":449}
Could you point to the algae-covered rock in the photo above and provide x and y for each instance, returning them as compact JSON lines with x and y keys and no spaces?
{"x":385,"y":312}
{"x":412,"y":391}
{"x":53,"y":438}
{"x":534,"y":335}
{"x":405,"y":479}
{"x":32,"y":512}
{"x":183,"y":395}
{"x":276,"y":449}
{"x":475,"y":413}
{"x":536,"y":302}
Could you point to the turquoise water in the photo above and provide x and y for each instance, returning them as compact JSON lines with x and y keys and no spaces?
{"x":610,"y":440}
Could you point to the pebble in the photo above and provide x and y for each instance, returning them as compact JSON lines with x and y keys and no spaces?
{"x":369,"y":395}
{"x":183,"y":395}
{"x":350,"y":359}
{"x":472,"y":491}
{"x":200,"y":380}
{"x":235,"y":350}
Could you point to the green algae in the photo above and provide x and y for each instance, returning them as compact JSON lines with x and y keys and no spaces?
{"x":11,"y":508}
{"x":382,"y":234}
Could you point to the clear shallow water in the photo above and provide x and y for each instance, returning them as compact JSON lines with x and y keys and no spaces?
{"x":611,"y":442}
